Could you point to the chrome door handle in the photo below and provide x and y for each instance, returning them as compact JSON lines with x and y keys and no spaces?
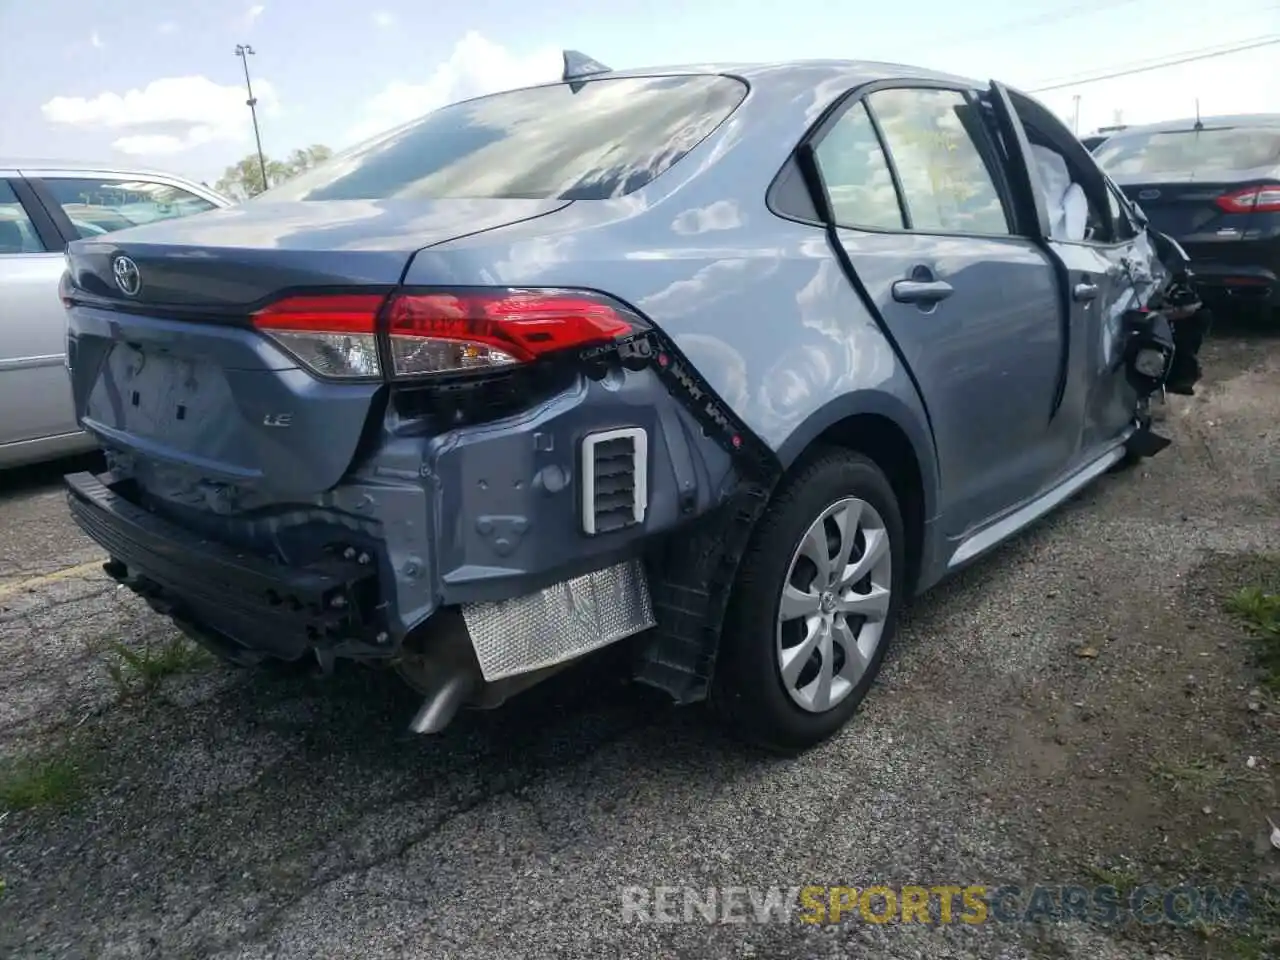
{"x":1085,"y":291}
{"x":922,"y":291}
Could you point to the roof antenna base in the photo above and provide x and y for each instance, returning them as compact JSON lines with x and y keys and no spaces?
{"x":579,"y":65}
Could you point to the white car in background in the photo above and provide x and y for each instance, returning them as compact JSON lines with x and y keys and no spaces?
{"x":43,"y":206}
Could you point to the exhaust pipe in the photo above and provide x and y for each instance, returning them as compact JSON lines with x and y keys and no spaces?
{"x":440,"y":663}
{"x":441,"y":705}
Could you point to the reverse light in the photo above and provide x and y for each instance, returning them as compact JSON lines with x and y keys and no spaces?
{"x":335,"y":336}
{"x":432,"y":332}
{"x":1259,"y":199}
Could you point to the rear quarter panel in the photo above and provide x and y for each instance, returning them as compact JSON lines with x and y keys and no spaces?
{"x":759,"y":304}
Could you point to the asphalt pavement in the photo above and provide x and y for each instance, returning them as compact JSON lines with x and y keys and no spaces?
{"x":231,"y":814}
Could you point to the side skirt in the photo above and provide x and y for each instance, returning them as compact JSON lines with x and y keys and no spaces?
{"x":989,"y":536}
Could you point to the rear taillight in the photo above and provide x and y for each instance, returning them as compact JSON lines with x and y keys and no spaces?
{"x":334,"y":335}
{"x":447,"y":332}
{"x":428,"y":333}
{"x":1263,"y":199}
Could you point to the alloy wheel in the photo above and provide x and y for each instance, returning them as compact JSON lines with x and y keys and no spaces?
{"x":834,"y":604}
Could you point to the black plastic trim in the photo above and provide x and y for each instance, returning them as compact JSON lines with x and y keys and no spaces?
{"x":691,"y":571}
{"x":46,"y":226}
{"x":282,"y":610}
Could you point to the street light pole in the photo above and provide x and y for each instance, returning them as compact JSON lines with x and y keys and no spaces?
{"x":244,"y":52}
{"x":1075,"y":119}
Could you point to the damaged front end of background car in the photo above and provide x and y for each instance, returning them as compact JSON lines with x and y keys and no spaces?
{"x":1150,"y":334}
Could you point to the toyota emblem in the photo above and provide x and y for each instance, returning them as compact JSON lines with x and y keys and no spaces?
{"x":127,"y":277}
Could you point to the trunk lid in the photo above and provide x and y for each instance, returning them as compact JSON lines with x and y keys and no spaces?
{"x":209,"y":412}
{"x":1187,"y":210}
{"x":1178,"y":172}
{"x":234,"y":258}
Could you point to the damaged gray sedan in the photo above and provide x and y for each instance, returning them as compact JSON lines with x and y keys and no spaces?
{"x":722,"y":363}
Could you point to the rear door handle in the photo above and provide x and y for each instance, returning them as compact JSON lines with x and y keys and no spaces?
{"x":1085,"y":291}
{"x":921,"y":291}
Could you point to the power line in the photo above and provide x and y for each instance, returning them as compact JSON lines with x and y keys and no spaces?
{"x":1162,"y":60}
{"x":1042,"y":19}
{"x":1130,"y":71}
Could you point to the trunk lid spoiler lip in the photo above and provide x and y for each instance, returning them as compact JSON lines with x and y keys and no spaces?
{"x":379,"y":265}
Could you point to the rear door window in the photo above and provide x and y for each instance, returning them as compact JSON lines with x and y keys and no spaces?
{"x":1203,"y":154}
{"x":96,"y":206}
{"x":588,"y":140}
{"x":856,"y":174}
{"x":17,"y":232}
{"x":930,"y":135}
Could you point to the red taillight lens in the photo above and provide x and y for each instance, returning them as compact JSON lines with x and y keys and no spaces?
{"x":336,"y":336}
{"x":1263,"y":199}
{"x":435,"y":332}
{"x":449,"y":332}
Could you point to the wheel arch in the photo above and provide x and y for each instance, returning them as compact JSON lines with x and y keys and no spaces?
{"x":879,"y":426}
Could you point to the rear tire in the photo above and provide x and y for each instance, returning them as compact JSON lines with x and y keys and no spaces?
{"x":789,"y":684}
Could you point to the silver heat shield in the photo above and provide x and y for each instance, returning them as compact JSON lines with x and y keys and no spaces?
{"x":561,"y":622}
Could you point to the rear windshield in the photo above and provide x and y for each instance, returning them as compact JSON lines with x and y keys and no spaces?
{"x":1189,"y":153}
{"x":583,"y":141}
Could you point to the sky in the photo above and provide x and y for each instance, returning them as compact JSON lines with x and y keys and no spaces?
{"x":159,"y":85}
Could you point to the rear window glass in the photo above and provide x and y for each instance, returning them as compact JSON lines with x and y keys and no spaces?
{"x":582,"y":141}
{"x":1190,"y":153}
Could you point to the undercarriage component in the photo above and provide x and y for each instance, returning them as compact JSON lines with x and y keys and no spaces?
{"x":560,"y":623}
{"x":439,"y":662}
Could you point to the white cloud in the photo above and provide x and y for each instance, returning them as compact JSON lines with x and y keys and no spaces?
{"x":250,"y":16}
{"x":166,"y":116}
{"x":96,"y":40}
{"x":168,"y":27}
{"x":475,"y":67}
{"x":384,"y":19}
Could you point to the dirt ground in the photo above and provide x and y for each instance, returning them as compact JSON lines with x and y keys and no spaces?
{"x":1078,"y":709}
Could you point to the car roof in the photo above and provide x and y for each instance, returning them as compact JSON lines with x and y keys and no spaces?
{"x":1189,"y":123}
{"x":855,"y":71}
{"x":46,"y":163}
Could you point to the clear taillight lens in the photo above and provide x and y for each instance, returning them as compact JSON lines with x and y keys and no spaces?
{"x":334,"y":336}
{"x":342,"y":355}
{"x":415,"y":356}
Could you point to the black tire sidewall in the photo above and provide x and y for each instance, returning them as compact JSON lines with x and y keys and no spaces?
{"x":748,"y":688}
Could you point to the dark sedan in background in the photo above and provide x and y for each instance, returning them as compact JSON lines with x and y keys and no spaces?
{"x":1213,"y":184}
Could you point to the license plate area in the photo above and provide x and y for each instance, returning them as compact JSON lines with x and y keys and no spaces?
{"x":161,"y":396}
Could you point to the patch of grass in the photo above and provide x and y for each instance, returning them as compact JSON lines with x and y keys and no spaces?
{"x":54,"y":780}
{"x":1262,"y":939}
{"x":1260,"y":611}
{"x":1194,"y":775}
{"x":139,"y":672}
{"x":1124,"y":879}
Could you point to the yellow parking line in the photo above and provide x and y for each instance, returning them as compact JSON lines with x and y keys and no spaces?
{"x":9,"y":589}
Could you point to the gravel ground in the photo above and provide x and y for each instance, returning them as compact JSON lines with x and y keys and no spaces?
{"x":1076,"y":706}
